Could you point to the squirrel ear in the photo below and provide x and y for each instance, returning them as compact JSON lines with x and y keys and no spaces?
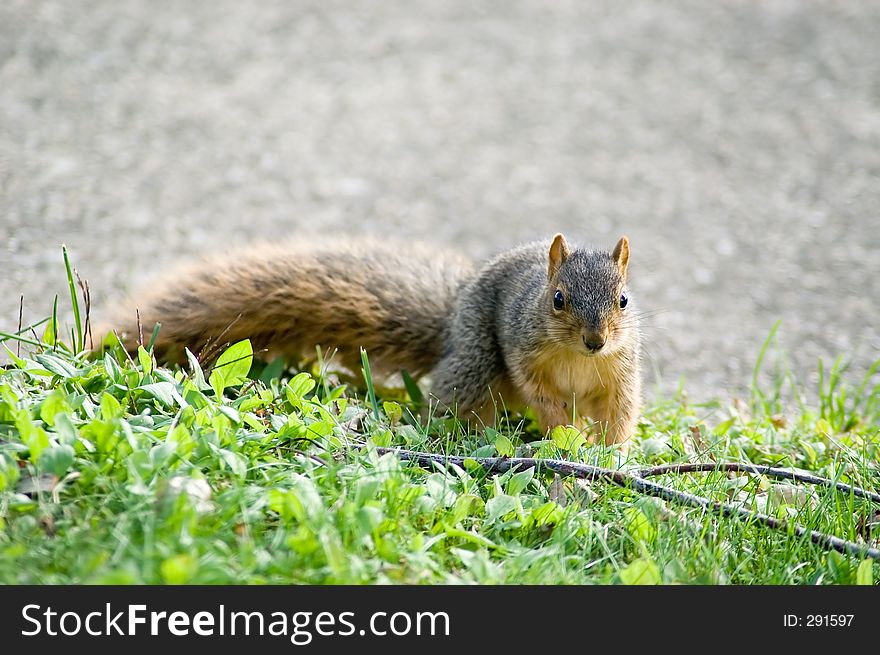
{"x":559,"y":252}
{"x":621,"y":255}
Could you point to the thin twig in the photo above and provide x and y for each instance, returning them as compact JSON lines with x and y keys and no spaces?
{"x":756,"y":469}
{"x":636,"y":482}
{"x":212,"y":344}
{"x":87,"y":300}
{"x":20,"y":311}
{"x":140,"y":328}
{"x":314,"y":458}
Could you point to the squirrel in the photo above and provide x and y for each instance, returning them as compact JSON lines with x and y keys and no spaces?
{"x":543,"y":325}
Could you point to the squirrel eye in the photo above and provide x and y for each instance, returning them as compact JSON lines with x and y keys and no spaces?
{"x":558,"y":300}
{"x":623,"y":300}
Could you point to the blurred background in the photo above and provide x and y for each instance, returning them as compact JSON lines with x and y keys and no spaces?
{"x":736,"y":143}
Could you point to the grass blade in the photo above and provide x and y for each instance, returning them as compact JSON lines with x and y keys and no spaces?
{"x":412,"y":388}
{"x":17,"y":337}
{"x":154,"y":336}
{"x":757,"y":394}
{"x":368,"y":377}
{"x":73,"y":301}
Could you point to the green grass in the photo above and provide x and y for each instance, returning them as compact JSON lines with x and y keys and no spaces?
{"x":116,"y":470}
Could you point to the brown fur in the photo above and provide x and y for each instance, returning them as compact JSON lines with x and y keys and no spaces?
{"x":290,"y":297}
{"x":489,"y":338}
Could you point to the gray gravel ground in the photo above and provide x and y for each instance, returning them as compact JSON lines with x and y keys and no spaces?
{"x":736,"y":143}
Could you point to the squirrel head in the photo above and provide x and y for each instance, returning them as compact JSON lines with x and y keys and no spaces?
{"x":588,"y":305}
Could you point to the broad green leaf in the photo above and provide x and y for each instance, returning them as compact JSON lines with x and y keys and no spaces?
{"x":369,"y":518}
{"x":549,"y":513}
{"x":145,"y":360}
{"x":865,"y":573}
{"x":642,"y":571}
{"x":840,"y":567}
{"x":235,"y":462}
{"x":382,"y":438}
{"x":303,"y":541}
{"x":466,"y":505}
{"x":301,"y":502}
{"x":182,"y":441}
{"x":9,"y":472}
{"x":439,"y":488}
{"x":179,"y":569}
{"x":519,"y":481}
{"x":307,"y":492}
{"x":110,"y":407}
{"x":810,"y":451}
{"x":196,"y":370}
{"x":112,"y":367}
{"x":298,"y":387}
{"x":487,"y":450}
{"x":230,"y":412}
{"x":655,"y":446}
{"x":164,"y":392}
{"x":65,"y":430}
{"x":640,"y":526}
{"x":55,"y":403}
{"x":365,"y":489}
{"x":336,"y":556}
{"x":19,"y":362}
{"x":49,"y":336}
{"x":392,"y":410}
{"x":56,"y":365}
{"x":499,"y":506}
{"x":32,"y":436}
{"x":724,"y":426}
{"x":504,"y":446}
{"x":56,"y":459}
{"x":472,"y":537}
{"x":232,"y":366}
{"x":286,"y":503}
{"x":567,"y":438}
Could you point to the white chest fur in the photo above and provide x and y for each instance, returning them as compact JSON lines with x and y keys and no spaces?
{"x":579,"y":379}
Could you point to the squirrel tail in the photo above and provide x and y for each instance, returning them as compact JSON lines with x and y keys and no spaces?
{"x":287,"y":298}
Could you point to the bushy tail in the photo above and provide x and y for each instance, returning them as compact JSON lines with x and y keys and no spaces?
{"x":288,"y":298}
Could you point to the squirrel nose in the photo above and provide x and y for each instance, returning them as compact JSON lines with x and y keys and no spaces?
{"x":593,"y":341}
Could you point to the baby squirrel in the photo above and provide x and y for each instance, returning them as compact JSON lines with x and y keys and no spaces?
{"x":542,"y":325}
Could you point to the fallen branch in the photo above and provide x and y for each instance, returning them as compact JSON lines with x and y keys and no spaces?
{"x":637,"y":482}
{"x":757,"y":469}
